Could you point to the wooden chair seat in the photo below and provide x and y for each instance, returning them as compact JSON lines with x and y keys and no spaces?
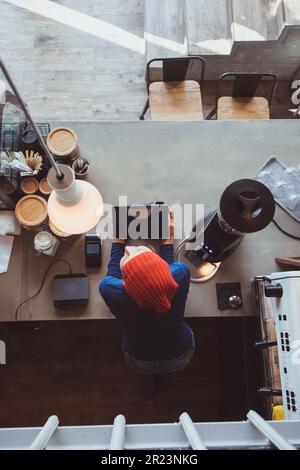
{"x":230,"y":108}
{"x":175,"y":101}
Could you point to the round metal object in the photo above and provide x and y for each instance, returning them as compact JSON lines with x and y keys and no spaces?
{"x":235,"y":301}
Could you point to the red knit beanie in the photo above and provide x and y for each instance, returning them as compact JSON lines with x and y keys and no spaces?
{"x":148,"y":280}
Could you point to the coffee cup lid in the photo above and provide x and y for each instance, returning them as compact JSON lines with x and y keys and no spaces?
{"x":43,"y":240}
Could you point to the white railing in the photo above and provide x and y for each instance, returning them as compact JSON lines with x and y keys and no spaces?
{"x":45,"y":434}
{"x":191,"y":432}
{"x":267,"y":430}
{"x":255,"y":433}
{"x":118,"y":433}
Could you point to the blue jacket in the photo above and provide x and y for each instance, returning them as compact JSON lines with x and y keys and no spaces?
{"x":149,"y":336}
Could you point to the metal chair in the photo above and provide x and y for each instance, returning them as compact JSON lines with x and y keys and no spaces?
{"x":176,"y":69}
{"x":245,"y":85}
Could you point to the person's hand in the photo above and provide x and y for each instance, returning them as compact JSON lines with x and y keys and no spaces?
{"x":119,"y":240}
{"x":170,"y":240}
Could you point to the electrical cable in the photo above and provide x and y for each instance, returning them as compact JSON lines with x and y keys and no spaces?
{"x":284,"y":231}
{"x":42,"y":284}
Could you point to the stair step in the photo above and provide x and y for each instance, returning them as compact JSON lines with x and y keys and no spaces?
{"x":165,"y":28}
{"x":257,"y":36}
{"x":209,"y":26}
{"x":291,"y":11}
{"x":257,"y":20}
{"x":280,"y":57}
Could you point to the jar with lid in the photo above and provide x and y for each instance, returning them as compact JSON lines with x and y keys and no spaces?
{"x":45,"y":243}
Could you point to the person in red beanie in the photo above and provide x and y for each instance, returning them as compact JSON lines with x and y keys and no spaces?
{"x":147,"y":292}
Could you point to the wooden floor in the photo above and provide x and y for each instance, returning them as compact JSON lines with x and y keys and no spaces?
{"x":76,"y":370}
{"x":65,"y":74}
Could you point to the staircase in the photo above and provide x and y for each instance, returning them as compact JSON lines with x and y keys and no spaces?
{"x":255,"y":433}
{"x":259,"y":35}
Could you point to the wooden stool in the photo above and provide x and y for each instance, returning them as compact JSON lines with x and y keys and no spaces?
{"x":230,"y":108}
{"x":175,"y":101}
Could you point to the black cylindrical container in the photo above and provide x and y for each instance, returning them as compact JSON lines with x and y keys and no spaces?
{"x":246,"y":206}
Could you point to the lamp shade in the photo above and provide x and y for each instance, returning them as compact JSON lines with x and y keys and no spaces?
{"x":75,"y":206}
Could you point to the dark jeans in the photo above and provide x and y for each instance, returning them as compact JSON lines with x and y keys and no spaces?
{"x":162,"y":366}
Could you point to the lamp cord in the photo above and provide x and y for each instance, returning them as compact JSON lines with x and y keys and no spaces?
{"x":42,"y":284}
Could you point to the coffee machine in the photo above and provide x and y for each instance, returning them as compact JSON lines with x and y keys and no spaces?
{"x":246,"y":206}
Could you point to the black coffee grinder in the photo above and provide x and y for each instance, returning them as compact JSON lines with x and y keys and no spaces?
{"x":246,"y":206}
